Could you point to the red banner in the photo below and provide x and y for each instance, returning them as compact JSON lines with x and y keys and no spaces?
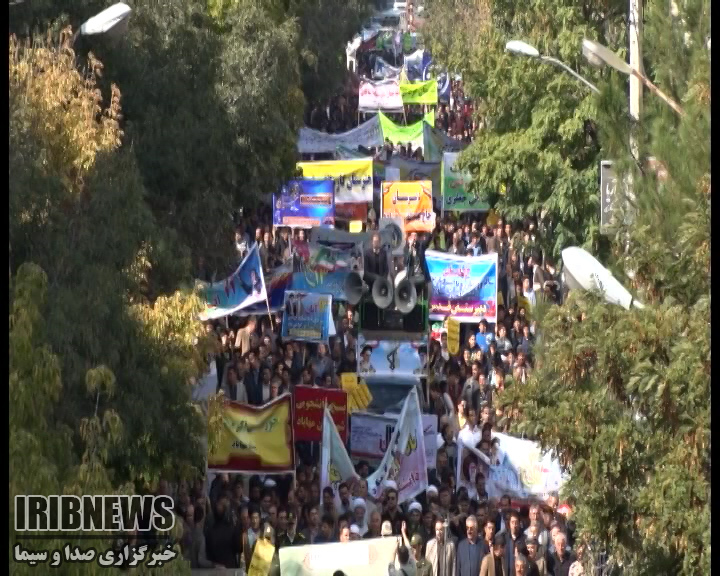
{"x":309,"y":403}
{"x":351,"y":211}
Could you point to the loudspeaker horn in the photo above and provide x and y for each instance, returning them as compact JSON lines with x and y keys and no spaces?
{"x":354,"y":288}
{"x":382,"y":292}
{"x":405,"y":294}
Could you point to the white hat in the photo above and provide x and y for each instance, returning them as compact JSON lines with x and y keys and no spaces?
{"x":415,"y":506}
{"x":386,"y":529}
{"x":391,"y":484}
{"x":440,"y":441}
{"x":432,"y":488}
{"x":354,"y":529}
{"x":269,"y":483}
{"x":359,"y":503}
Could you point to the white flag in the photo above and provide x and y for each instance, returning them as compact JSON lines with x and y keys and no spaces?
{"x":404,"y":461}
{"x":335,"y":464}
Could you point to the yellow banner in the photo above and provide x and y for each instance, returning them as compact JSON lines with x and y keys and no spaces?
{"x":410,"y":201}
{"x":453,"y":336}
{"x":256,"y":439}
{"x":353,"y":178}
{"x":262,"y":558}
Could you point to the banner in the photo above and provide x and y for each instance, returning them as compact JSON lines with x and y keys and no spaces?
{"x":276,"y":282}
{"x":367,"y":134}
{"x":437,"y":142}
{"x":307,"y":317}
{"x":355,"y":211}
{"x":309,"y":403}
{"x":305,"y":203}
{"x":411,"y":201}
{"x":390,"y":357}
{"x":412,"y":170}
{"x":255,"y":439}
{"x":420,"y":93}
{"x":381,"y":95}
{"x":321,"y":269}
{"x":517,"y":467}
{"x":444,"y":86}
{"x":464,"y":287}
{"x":398,"y":134}
{"x":383,"y":70}
{"x":404,"y":461}
{"x":370,"y":435}
{"x":416,"y":65}
{"x":335,"y":464}
{"x":353,"y":178}
{"x":262,"y":558}
{"x":356,"y":558}
{"x":244,"y":288}
{"x":455,"y":188}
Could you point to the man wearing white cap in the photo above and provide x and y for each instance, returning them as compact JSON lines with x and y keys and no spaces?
{"x":355,"y":532}
{"x":359,"y":514}
{"x":414,"y":517}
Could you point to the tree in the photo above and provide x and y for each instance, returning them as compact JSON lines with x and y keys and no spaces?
{"x":78,"y":211}
{"x":536,"y":152}
{"x":623,"y":396}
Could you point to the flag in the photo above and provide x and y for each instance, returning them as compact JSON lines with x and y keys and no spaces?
{"x":404,"y":461}
{"x":335,"y":464}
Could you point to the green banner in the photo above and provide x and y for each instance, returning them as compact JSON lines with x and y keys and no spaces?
{"x":455,"y":188}
{"x":419,"y":92}
{"x":398,"y":134}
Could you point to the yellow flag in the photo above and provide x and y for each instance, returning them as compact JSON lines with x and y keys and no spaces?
{"x":355,"y":226}
{"x":258,"y":439}
{"x":453,"y":332}
{"x":262,"y":558}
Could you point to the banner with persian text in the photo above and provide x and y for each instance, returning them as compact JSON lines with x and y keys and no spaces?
{"x":455,"y":185}
{"x":381,"y":95}
{"x":411,"y":202}
{"x":390,"y":357}
{"x":420,"y":92}
{"x":256,"y":439}
{"x":463,"y":287}
{"x":353,"y":178}
{"x":370,"y":435}
{"x":305,"y":203}
{"x":307,"y":317}
{"x":309,"y":403}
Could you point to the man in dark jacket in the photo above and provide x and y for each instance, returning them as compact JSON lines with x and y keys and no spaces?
{"x":253,"y":381}
{"x":560,"y":561}
{"x":223,"y":539}
{"x":468,"y":555}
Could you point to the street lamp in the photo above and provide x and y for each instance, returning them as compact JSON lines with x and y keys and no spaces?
{"x":597,"y":55}
{"x":111,"y":22}
{"x":524,"y":49}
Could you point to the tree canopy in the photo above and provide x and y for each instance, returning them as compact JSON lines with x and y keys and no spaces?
{"x":623,"y":396}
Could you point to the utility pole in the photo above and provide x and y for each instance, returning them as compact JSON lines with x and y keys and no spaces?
{"x":636,"y":87}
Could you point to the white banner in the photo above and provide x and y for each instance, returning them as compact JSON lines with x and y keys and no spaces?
{"x":383,"y":95}
{"x":404,"y":461}
{"x":335,"y":464}
{"x":368,"y":134}
{"x":370,"y":435}
{"x":357,"y":558}
{"x":391,"y":357}
{"x":517,"y":467}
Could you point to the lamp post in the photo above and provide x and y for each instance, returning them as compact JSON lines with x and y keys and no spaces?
{"x":597,"y":54}
{"x":111,"y":22}
{"x":524,"y":49}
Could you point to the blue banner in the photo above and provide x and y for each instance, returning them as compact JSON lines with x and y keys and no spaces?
{"x":391,"y":358}
{"x":305,"y":203}
{"x":244,"y":288}
{"x":307,"y":317}
{"x":463,"y":287}
{"x":276,"y":282}
{"x":323,"y":269}
{"x":444,"y":84}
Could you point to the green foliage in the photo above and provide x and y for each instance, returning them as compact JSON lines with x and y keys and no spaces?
{"x":538,"y":137}
{"x":622,"y":396}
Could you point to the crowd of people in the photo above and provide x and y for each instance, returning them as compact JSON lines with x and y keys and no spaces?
{"x":447,"y":530}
